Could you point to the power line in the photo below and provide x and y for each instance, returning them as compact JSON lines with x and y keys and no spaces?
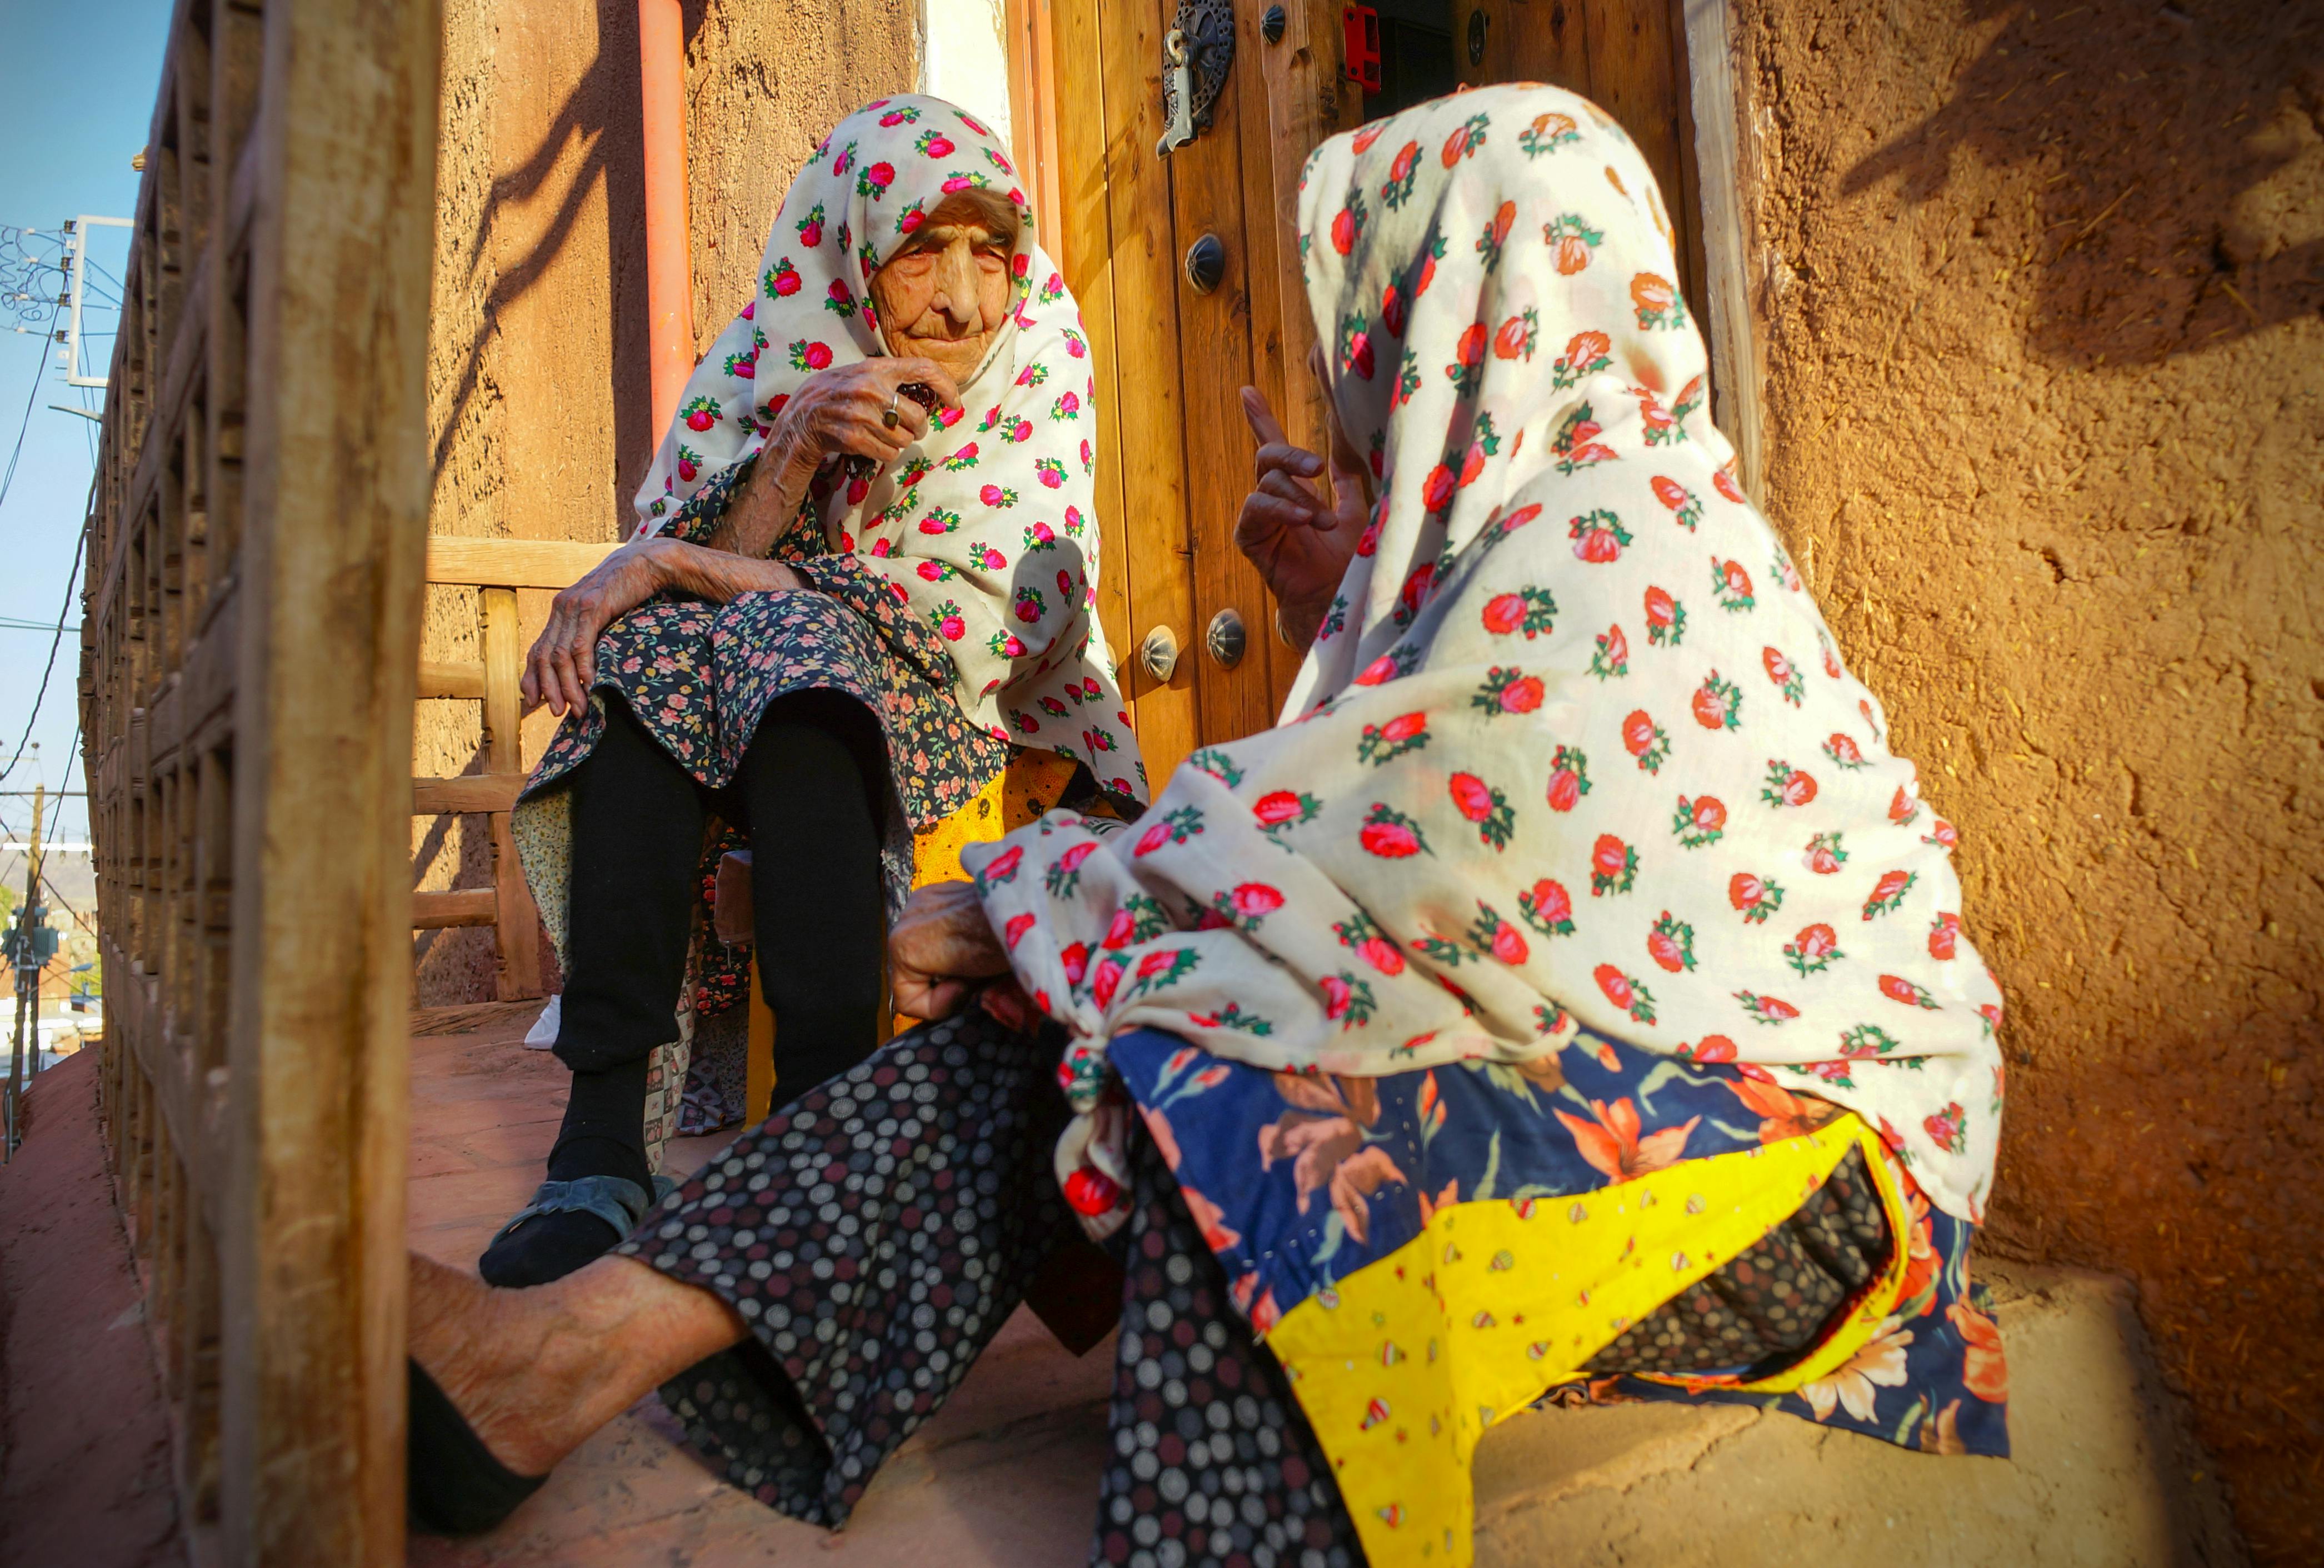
{"x":31,"y":397}
{"x":80,"y":543}
{"x":63,"y":903}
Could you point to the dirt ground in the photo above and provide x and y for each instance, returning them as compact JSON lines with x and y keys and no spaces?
{"x":2040,"y":310}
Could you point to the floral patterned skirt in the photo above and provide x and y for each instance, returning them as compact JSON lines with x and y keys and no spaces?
{"x":698,"y":676}
{"x":1430,"y":1253}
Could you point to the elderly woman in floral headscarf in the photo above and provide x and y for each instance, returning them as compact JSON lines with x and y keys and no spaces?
{"x":1568,"y":1000}
{"x":857,"y":613}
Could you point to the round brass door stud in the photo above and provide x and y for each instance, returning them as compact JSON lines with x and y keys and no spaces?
{"x":1225,"y":639}
{"x":1159,"y":654}
{"x":1206,"y":263}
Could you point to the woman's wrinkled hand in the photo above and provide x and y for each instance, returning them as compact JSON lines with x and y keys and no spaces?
{"x":844,"y":410}
{"x":563,"y":663}
{"x":839,"y":412}
{"x":1300,"y":542}
{"x":941,"y":949}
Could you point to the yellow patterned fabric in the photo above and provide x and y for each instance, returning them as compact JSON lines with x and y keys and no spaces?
{"x":1404,"y":1366}
{"x":1031,"y":784}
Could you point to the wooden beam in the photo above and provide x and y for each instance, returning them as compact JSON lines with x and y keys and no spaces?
{"x":1083,"y":246}
{"x":443,"y":677}
{"x":1033,"y":114}
{"x":511,"y":563}
{"x":517,"y":924}
{"x":1208,"y":192}
{"x":1723,"y":172}
{"x":468,"y":907}
{"x":468,"y":792}
{"x":1147,"y":436}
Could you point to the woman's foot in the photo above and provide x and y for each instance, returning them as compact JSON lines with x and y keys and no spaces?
{"x":541,"y":1247}
{"x":492,"y":1353}
{"x":599,"y":1185}
{"x":534,"y":1373}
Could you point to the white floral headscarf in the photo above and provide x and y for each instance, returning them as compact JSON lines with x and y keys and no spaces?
{"x":986,"y":528}
{"x":1575,"y":745}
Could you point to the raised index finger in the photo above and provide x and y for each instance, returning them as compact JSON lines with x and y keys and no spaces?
{"x":1263,"y":419}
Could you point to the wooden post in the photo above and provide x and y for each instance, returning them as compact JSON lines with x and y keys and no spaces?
{"x":1718,"y":132}
{"x":518,"y":926}
{"x":1032,"y":115}
{"x":340,"y":166}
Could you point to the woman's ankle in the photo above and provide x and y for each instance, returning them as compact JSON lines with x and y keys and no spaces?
{"x":603,"y":1128}
{"x":509,"y":1361}
{"x":610,"y":1334}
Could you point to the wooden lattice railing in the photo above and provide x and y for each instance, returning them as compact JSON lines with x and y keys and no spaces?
{"x":249,"y":646}
{"x":497,"y":569}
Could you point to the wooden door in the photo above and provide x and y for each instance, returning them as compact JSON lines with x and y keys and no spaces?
{"x":1175,"y":450}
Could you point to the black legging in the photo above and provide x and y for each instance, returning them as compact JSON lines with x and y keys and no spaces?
{"x":809,"y":792}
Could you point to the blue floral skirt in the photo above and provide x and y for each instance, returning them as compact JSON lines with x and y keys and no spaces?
{"x":1430,"y":1252}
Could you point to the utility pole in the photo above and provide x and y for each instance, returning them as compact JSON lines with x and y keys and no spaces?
{"x":29,"y":946}
{"x":76,"y":268}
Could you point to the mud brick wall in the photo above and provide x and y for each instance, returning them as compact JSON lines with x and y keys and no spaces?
{"x":2038,"y":288}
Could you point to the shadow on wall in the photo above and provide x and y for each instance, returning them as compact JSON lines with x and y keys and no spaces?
{"x":2161,"y":224}
{"x":601,"y":113}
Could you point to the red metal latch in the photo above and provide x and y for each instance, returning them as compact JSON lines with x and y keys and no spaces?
{"x":1361,"y":25}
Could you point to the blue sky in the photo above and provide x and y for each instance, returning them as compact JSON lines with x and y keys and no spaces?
{"x":70,"y":119}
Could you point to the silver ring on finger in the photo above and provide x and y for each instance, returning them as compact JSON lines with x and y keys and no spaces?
{"x":891,"y":419}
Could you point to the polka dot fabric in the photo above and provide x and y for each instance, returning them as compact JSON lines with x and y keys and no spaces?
{"x":874,"y":1235}
{"x":1212,"y":1460}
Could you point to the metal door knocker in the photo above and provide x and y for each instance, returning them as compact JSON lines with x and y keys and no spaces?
{"x":1195,"y":56}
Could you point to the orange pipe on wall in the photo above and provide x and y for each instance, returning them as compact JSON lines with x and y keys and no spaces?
{"x":670,"y":280}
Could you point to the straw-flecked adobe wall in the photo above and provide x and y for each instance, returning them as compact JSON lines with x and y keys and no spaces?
{"x":2038,"y":292}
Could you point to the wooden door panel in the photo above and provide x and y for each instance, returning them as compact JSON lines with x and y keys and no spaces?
{"x":1271,"y":265}
{"x":1207,"y":183}
{"x":1549,"y":42}
{"x":1174,"y":460}
{"x":1081,"y":239}
{"x":1122,"y":97}
{"x":1498,"y":63}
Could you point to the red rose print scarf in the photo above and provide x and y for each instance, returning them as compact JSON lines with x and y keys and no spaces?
{"x":1575,"y":744}
{"x":986,"y":528}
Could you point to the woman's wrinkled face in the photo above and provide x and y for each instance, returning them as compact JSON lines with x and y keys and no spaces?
{"x":945,"y":294}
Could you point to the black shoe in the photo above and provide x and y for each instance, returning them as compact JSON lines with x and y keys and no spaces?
{"x":569,"y":1225}
{"x":452,"y":1486}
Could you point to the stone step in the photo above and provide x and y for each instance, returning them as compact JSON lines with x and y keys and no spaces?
{"x":2105,"y":1470}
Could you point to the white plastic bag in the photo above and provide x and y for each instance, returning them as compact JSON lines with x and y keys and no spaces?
{"x":542,"y":1036}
